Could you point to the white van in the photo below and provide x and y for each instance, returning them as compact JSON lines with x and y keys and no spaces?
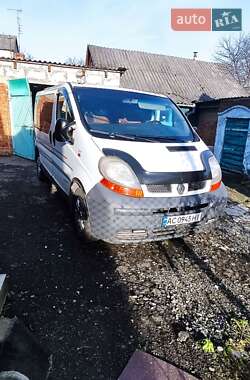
{"x":131,"y":164}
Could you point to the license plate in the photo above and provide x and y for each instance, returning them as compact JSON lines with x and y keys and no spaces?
{"x":180,"y":219}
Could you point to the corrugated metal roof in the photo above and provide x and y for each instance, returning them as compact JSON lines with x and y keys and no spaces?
{"x":8,"y":42}
{"x":184,"y":80}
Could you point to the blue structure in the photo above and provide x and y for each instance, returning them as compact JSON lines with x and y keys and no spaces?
{"x":232,"y":142}
{"x":21,"y":118}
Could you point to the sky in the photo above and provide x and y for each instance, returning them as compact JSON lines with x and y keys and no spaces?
{"x":58,"y":29}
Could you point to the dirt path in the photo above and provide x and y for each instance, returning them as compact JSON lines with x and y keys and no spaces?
{"x":92,"y":305}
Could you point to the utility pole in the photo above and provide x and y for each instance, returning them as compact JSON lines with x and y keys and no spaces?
{"x":19,"y":26}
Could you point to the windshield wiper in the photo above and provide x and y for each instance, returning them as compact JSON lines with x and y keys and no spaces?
{"x":100,"y":132}
{"x":171,"y":139}
{"x":132,"y":137}
{"x":113,"y":135}
{"x":161,"y":139}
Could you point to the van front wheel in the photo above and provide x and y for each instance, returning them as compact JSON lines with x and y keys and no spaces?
{"x":40,"y":170}
{"x":80,"y":214}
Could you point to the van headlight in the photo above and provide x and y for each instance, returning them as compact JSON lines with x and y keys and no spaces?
{"x":216,"y":173}
{"x":119,"y":177}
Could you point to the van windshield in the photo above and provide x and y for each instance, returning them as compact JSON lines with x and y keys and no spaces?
{"x":130,"y":115}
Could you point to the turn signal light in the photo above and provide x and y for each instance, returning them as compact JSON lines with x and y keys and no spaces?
{"x":215,"y":186}
{"x":136,"y":193}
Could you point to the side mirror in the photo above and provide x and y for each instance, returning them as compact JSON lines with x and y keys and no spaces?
{"x":63,"y":131}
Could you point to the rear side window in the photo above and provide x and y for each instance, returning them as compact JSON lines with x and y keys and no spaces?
{"x":44,"y":110}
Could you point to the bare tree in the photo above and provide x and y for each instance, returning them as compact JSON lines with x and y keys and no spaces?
{"x":29,"y":56}
{"x":74,"y":61}
{"x":234,"y":54}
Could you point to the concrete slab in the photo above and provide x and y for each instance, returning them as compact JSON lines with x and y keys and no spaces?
{"x":143,"y":366}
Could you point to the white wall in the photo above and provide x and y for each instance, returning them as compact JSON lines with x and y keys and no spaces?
{"x":53,"y":74}
{"x":6,"y":53}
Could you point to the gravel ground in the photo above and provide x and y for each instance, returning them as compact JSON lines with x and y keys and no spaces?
{"x":92,"y":305}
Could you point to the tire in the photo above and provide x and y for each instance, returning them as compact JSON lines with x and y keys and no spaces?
{"x":40,"y":171}
{"x":12,"y":375}
{"x":80,"y":214}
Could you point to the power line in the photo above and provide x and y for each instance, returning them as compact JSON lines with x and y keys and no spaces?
{"x":19,"y":25}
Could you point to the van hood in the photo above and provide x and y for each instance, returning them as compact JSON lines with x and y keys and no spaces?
{"x":157,"y":157}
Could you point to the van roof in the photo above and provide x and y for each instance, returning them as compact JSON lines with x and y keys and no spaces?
{"x":69,"y":85}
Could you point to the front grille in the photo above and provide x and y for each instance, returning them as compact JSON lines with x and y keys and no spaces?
{"x":167,"y":188}
{"x":159,"y":188}
{"x":184,"y":209}
{"x":196,"y":185}
{"x":131,"y":234}
{"x":172,"y":230}
{"x":158,"y":233}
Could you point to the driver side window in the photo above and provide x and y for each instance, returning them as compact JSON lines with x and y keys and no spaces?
{"x":64,"y":109}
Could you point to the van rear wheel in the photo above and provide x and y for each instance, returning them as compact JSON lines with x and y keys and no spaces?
{"x":80,"y":214}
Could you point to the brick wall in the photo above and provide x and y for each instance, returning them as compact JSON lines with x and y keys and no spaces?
{"x":231,"y":102}
{"x":207,"y":124}
{"x":206,"y":116}
{"x":5,"y":131}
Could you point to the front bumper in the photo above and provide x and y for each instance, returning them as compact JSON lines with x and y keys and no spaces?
{"x":120,"y":219}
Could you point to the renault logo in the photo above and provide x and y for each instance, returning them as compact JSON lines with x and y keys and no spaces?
{"x":180,"y":188}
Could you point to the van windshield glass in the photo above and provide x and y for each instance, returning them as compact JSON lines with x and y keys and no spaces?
{"x":132,"y":116}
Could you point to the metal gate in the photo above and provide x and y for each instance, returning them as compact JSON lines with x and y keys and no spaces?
{"x":235,"y":138}
{"x":21,"y":118}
